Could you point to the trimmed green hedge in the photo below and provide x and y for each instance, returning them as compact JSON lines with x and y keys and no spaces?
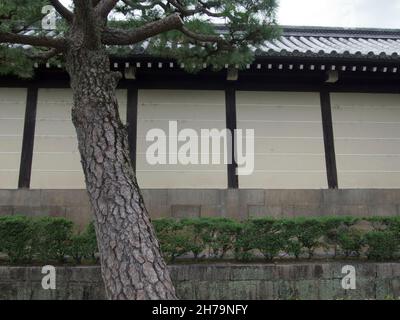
{"x":45,"y":239}
{"x":23,"y":240}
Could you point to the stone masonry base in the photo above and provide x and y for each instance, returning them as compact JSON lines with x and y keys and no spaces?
{"x":304,"y":281}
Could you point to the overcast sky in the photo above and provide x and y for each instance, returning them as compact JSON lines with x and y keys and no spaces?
{"x":338,"y":13}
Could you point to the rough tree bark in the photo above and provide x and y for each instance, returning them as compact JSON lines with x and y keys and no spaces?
{"x":131,"y":261}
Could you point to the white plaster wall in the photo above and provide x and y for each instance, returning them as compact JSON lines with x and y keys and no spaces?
{"x":12,"y":114}
{"x":56,"y":160}
{"x":191,"y":109}
{"x":289,"y":147}
{"x":367,"y":139}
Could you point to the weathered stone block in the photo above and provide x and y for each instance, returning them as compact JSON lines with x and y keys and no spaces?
{"x":158,"y":211}
{"x":155,"y":196}
{"x":19,"y":197}
{"x":6,"y":211}
{"x":80,"y":216}
{"x":347,"y":210}
{"x":65,"y":198}
{"x":232,"y":205}
{"x":345,"y":197}
{"x":292,"y":197}
{"x":194,"y":197}
{"x":42,"y":211}
{"x":264,"y":290}
{"x":263,"y":211}
{"x":184,"y":211}
{"x":252,"y":197}
{"x":383,"y":210}
{"x":302,"y":211}
{"x":212,"y":211}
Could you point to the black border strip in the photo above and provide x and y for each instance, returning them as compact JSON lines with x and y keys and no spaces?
{"x":329,"y":141}
{"x":131,"y":119}
{"x":28,"y":138}
{"x":231,"y":124}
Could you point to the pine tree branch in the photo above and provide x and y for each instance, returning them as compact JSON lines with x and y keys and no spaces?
{"x":38,"y":41}
{"x":112,"y":36}
{"x":136,"y":5}
{"x":104,"y":7}
{"x":206,"y":38}
{"x":201,"y":7}
{"x":44,"y":56}
{"x":63,"y":11}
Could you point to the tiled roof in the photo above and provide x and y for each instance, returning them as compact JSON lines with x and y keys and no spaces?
{"x":334,"y":42}
{"x":318,"y":42}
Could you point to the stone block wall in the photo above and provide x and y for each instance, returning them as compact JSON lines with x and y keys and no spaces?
{"x":239,"y":204}
{"x":305,"y":281}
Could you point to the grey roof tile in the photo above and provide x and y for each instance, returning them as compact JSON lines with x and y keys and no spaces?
{"x":325,"y":42}
{"x":317,"y":42}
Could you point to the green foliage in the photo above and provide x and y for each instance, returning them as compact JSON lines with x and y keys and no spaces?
{"x":174,"y":239}
{"x":14,"y":61}
{"x":53,"y":236}
{"x":84,"y":245}
{"x":244,"y":243}
{"x":246,"y":25}
{"x":221,"y":236}
{"x":48,"y":239}
{"x":303,"y":233}
{"x":382,"y":245}
{"x":350,"y":241}
{"x":336,"y":231}
{"x":16,"y":238}
{"x":216,"y":235}
{"x":264,"y":235}
{"x":16,"y":15}
{"x":197,"y":235}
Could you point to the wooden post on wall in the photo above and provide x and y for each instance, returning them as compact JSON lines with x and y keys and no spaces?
{"x":131,"y":119}
{"x":28,"y":138}
{"x":329,"y":142}
{"x":231,"y":124}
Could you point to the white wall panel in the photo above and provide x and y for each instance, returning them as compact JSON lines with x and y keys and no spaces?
{"x":56,"y":160}
{"x":12,"y":114}
{"x":289,"y":147}
{"x":191,"y":109}
{"x":367,"y":139}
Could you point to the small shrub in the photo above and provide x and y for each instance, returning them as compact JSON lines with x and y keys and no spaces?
{"x":303,"y":233}
{"x":84,"y":245}
{"x":221,"y":236}
{"x":174,"y":241}
{"x":198,"y":233}
{"x":310,"y":232}
{"x":267,"y":237}
{"x":90,"y":234}
{"x":289,"y":228}
{"x":393,"y":225}
{"x":53,"y":237}
{"x":334,"y":227}
{"x":244,"y":243}
{"x":382,"y":245}
{"x":350,"y":241}
{"x":16,"y":235}
{"x":77,"y":248}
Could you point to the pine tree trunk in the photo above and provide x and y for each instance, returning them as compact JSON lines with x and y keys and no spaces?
{"x":131,"y":262}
